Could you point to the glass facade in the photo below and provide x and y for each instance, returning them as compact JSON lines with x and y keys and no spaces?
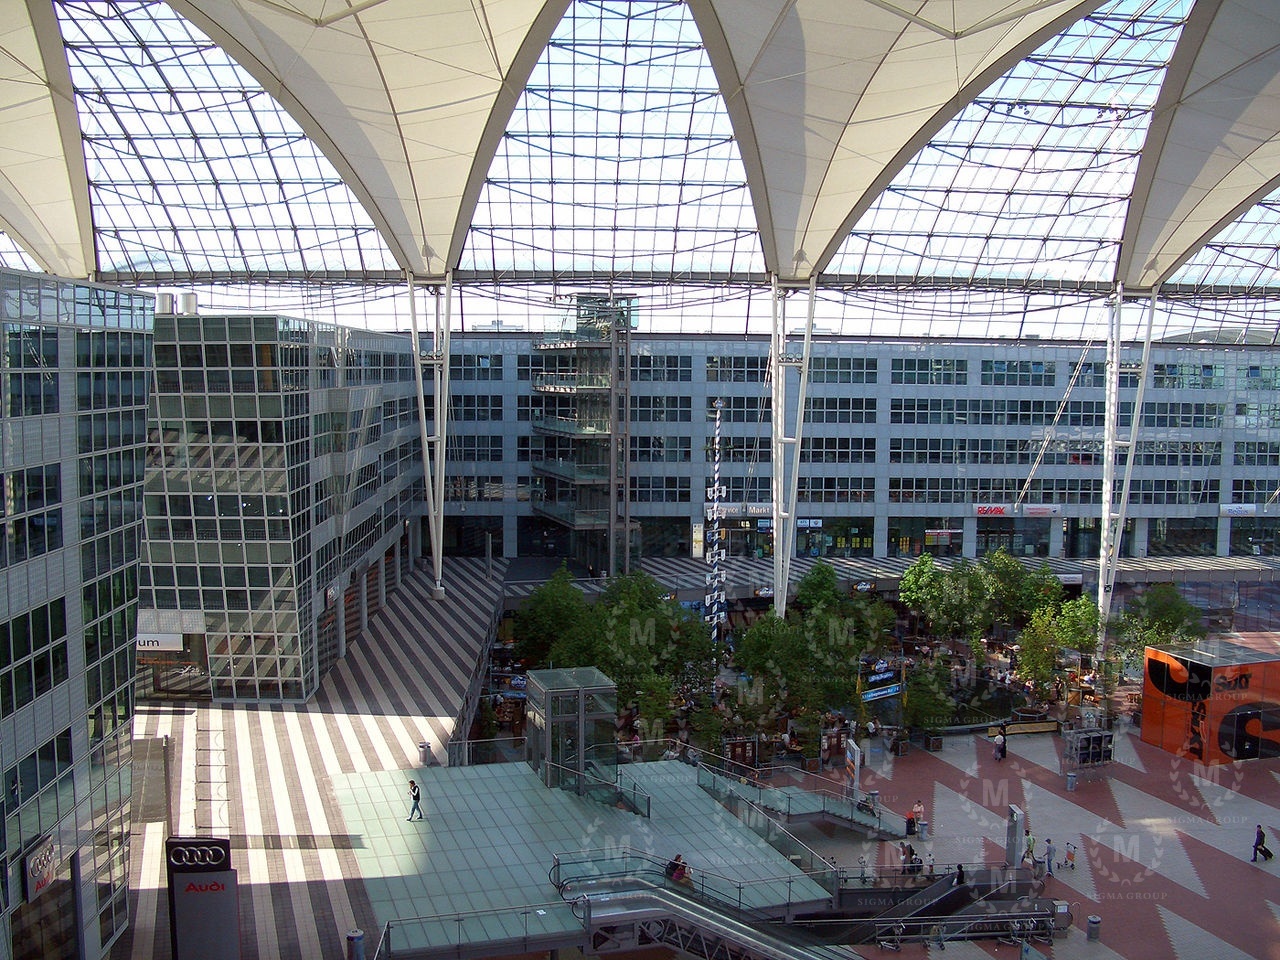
{"x":283,"y":454}
{"x":76,"y":370}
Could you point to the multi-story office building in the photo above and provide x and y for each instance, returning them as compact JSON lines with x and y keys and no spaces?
{"x":74,"y":379}
{"x":909,"y":446}
{"x":284,"y":467}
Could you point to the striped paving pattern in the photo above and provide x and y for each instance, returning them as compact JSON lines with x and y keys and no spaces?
{"x":261,"y":775}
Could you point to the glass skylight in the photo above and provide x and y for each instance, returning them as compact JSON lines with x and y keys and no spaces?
{"x":619,"y":158}
{"x":193,"y":168}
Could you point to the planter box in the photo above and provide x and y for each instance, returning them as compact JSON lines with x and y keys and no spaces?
{"x":932,"y":743}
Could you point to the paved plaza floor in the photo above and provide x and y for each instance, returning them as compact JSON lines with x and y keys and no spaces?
{"x":314,"y":799}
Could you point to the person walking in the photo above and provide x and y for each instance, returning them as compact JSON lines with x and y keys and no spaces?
{"x":1260,"y":846}
{"x":416,"y":796}
{"x":1050,"y":851}
{"x":998,"y":752}
{"x":1029,"y":846}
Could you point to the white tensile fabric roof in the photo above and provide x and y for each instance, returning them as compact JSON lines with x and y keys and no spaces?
{"x":829,"y":99}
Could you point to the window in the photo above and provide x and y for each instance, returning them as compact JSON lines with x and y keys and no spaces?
{"x":842,"y":370}
{"x":929,"y":370}
{"x":840,"y":410}
{"x":660,"y":489}
{"x":737,"y":369}
{"x":477,"y":407}
{"x":475,"y":366}
{"x":659,"y":369}
{"x":838,"y":450}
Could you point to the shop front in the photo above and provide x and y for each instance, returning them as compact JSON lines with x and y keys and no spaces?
{"x":834,"y":536}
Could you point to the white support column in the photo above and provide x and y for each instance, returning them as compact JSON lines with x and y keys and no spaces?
{"x":786,"y":438}
{"x":1115,"y":509}
{"x":433,"y":445}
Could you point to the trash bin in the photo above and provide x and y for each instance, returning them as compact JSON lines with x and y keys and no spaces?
{"x":355,"y":945}
{"x":1094,"y":930}
{"x":922,"y":828}
{"x":874,"y":797}
{"x":424,"y":752}
{"x":1071,"y":782}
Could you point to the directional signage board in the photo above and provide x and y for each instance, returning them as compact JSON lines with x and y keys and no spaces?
{"x":878,"y":692}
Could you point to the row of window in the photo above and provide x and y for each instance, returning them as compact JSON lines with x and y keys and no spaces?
{"x":925,"y":371}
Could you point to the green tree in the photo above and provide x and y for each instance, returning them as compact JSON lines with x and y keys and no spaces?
{"x":961,"y":605}
{"x":819,"y":587}
{"x":927,"y":705}
{"x":1077,"y":624}
{"x":555,"y":611}
{"x":770,"y":654}
{"x":1038,"y":647}
{"x":1158,"y":616}
{"x":1015,"y":592}
{"x":919,"y":586}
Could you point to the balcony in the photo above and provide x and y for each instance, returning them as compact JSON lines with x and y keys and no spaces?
{"x":571,"y":515}
{"x":570,"y":382}
{"x":572,"y":472}
{"x":566,"y":427}
{"x":584,"y":335}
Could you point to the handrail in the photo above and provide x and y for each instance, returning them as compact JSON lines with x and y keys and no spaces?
{"x":773,"y":832}
{"x":642,"y":803}
{"x":865,"y":810}
{"x":459,"y":921}
{"x":613,"y":863}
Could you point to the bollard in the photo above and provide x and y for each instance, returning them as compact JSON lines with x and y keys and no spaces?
{"x":1094,"y":930}
{"x":355,"y":945}
{"x":424,"y":753}
{"x":1071,"y":782}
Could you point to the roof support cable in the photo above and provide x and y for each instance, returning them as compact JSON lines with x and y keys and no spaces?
{"x":1051,"y":434}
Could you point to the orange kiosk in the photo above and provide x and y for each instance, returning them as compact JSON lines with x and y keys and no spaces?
{"x":1213,"y":701}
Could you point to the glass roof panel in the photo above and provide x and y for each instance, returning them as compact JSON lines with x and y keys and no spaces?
{"x":1031,"y":181}
{"x":1243,"y":255}
{"x":14,"y":257}
{"x":192,"y":166}
{"x":619,"y":157}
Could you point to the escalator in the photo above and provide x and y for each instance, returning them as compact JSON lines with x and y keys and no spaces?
{"x":644,"y":915}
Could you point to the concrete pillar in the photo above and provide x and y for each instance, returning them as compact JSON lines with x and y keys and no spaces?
{"x":340,"y":622}
{"x":397,"y":563}
{"x":1057,"y":540}
{"x":363,"y":599}
{"x":382,"y":578}
{"x":1224,"y":537}
{"x":880,"y":535}
{"x":1140,"y":529}
{"x":969,"y":543}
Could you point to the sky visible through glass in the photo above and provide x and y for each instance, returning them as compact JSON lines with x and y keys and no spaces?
{"x":620,"y":161}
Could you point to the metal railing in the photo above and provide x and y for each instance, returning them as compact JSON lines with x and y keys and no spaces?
{"x":595,"y":787}
{"x":538,"y":923}
{"x":753,"y":899}
{"x":756,"y":784}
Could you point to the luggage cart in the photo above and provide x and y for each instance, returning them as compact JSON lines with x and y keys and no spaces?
{"x":1068,"y":857}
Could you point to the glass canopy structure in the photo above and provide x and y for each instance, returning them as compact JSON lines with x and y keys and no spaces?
{"x":932,"y":175}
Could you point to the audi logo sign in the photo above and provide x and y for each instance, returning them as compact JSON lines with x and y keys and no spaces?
{"x":203,"y":903}
{"x":40,"y":867}
{"x":197,"y":854}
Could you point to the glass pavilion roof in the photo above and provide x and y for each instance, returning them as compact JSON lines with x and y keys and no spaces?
{"x":619,"y":166}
